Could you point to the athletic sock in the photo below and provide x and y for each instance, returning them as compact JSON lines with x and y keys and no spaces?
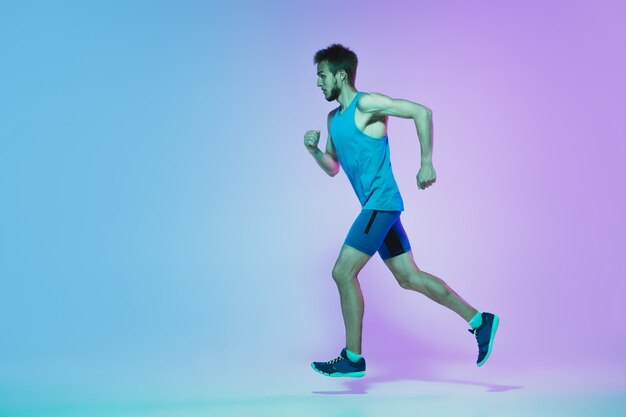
{"x":476,"y":321}
{"x":354,"y":357}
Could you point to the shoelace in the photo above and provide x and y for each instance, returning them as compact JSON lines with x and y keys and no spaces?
{"x":475,"y":331}
{"x":481,"y":348}
{"x":334,"y":361}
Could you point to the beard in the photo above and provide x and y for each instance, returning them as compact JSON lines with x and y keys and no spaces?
{"x":334,"y":94}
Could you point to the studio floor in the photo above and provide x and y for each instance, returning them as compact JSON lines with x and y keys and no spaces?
{"x":453,"y":390}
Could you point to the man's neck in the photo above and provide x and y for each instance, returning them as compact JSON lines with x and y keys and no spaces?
{"x":345,"y":97}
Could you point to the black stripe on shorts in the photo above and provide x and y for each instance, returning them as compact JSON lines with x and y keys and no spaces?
{"x":369,"y":224}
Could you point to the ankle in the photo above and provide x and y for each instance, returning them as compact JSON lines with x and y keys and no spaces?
{"x":353,"y":356}
{"x":476,"y":321}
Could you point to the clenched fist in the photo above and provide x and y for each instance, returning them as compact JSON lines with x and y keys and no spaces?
{"x":426,"y":176}
{"x":311,"y":139}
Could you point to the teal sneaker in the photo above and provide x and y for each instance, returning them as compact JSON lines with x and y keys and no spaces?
{"x":484,"y":336}
{"x":341,"y":366}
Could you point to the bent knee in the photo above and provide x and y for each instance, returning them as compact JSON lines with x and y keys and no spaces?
{"x":406,"y":280}
{"x":411,"y":281}
{"x":341,"y":274}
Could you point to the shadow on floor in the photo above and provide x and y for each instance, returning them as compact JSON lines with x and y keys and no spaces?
{"x":362,"y":386}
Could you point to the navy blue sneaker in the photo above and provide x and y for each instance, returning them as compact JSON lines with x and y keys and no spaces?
{"x":484,"y":336}
{"x":341,"y":366}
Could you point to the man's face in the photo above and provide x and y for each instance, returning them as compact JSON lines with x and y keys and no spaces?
{"x":327,"y":82}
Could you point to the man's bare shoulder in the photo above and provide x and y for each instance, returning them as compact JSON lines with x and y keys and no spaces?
{"x":384,"y":105}
{"x":371,"y":102}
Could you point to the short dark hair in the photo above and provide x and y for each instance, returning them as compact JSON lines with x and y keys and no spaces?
{"x":339,"y":58}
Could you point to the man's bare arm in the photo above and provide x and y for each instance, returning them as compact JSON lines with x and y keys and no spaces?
{"x":381,"y":104}
{"x":421,"y":115}
{"x":327,"y":161}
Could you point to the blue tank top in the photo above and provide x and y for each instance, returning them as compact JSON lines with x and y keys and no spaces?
{"x":365,"y":160}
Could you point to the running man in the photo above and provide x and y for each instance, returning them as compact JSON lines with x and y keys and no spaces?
{"x":357,"y":141}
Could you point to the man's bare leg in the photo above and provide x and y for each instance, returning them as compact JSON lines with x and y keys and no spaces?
{"x":409,"y":276}
{"x":345,"y":272}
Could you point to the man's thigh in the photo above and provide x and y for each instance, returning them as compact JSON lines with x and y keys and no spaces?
{"x":402,"y":266}
{"x":349,"y":262}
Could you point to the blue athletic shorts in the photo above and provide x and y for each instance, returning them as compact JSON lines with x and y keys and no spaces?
{"x":378,"y":231}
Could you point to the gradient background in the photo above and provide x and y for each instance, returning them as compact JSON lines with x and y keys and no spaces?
{"x":163,"y":229}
